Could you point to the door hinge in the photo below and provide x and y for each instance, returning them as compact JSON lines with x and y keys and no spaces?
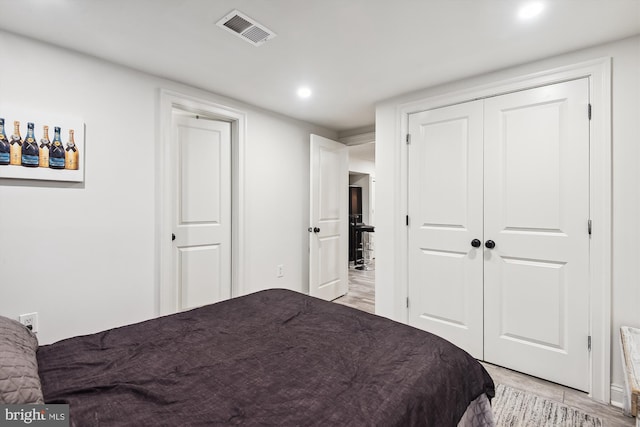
{"x":589,"y":227}
{"x":589,"y":111}
{"x":407,"y":220}
{"x":408,"y":139}
{"x":589,"y":343}
{"x":407,"y":302}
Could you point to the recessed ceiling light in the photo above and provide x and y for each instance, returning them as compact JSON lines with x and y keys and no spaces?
{"x":304,"y":92}
{"x":531,"y":10}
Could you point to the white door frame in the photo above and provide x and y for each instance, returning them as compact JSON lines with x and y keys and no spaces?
{"x":599,"y":73}
{"x":167,"y":298}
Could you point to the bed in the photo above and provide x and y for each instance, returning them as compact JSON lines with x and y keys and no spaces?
{"x":272,"y":358}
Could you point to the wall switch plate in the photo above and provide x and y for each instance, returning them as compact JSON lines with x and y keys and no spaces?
{"x":30,"y":320}
{"x":280,"y":271}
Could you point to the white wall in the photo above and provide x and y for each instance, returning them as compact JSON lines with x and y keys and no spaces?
{"x":626,"y":188}
{"x":362,"y":166}
{"x":359,"y":159}
{"x":83,"y":255}
{"x":363,"y":174}
{"x":362,"y":181}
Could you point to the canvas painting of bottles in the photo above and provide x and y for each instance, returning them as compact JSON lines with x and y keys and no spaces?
{"x":35,"y":145}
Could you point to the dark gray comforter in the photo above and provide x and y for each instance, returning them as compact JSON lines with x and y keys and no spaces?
{"x":273,"y":358}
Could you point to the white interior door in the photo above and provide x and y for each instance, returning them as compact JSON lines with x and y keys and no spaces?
{"x":328,"y":222}
{"x":202,"y":211}
{"x":445,"y":216}
{"x":537,"y":212}
{"x":513,"y":172}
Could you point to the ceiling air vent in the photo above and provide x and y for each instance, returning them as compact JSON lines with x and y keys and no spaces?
{"x":245,"y":28}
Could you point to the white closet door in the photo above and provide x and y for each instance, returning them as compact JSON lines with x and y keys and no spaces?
{"x":536,"y":198}
{"x":445,"y":215}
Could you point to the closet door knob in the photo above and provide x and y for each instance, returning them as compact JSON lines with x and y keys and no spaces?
{"x":490,"y":244}
{"x":476,"y":243}
{"x":316,"y":230}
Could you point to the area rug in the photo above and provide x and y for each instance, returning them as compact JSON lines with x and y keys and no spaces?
{"x":518,"y":408}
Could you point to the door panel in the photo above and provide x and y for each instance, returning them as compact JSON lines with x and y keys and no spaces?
{"x":200,"y":158}
{"x":445,"y":215}
{"x":328,"y":246}
{"x":200,"y":274}
{"x":447,"y":308}
{"x":202,"y":213}
{"x":536,"y":210}
{"x":533,"y":287}
{"x":329,"y":181}
{"x":529,"y":163}
{"x":329,"y":262}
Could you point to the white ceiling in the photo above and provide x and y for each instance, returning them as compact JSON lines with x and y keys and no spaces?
{"x":352,"y":53}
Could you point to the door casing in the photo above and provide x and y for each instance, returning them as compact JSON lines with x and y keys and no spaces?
{"x":598,"y":72}
{"x":169,"y":101}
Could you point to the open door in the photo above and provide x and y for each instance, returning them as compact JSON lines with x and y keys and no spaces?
{"x":328,"y":219}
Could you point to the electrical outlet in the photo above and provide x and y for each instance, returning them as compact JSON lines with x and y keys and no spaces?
{"x":280,"y":270}
{"x":30,"y":320}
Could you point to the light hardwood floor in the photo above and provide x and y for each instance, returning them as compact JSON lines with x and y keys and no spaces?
{"x":361,"y":295}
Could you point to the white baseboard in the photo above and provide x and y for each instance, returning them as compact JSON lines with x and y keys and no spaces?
{"x":617,"y":396}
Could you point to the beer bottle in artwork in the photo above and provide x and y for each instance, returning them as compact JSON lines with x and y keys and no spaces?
{"x":71,"y":153}
{"x":16,"y":145}
{"x":56,"y":152}
{"x":5,"y":149}
{"x":30,"y":150}
{"x":45,"y":144}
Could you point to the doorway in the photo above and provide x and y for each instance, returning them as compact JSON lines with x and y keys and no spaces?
{"x":212,"y":119}
{"x":361,"y":292}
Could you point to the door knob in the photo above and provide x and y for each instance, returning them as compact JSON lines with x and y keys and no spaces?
{"x":316,"y":230}
{"x":490,"y":244}
{"x":173,"y":237}
{"x":476,"y":243}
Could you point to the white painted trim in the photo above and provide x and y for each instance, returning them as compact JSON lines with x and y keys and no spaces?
{"x":599,"y":73}
{"x":362,"y":138}
{"x":617,"y":396}
{"x":168,"y":101}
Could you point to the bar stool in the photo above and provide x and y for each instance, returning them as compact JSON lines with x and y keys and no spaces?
{"x":364,"y":231}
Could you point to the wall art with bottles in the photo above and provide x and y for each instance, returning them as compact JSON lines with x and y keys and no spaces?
{"x":43,"y":146}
